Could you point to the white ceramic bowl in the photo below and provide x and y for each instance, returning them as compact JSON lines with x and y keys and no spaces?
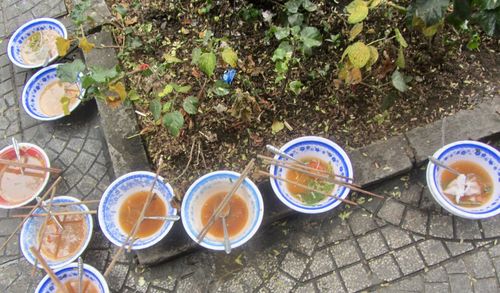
{"x":30,"y":230}
{"x":25,"y":31}
{"x":71,"y":272}
{"x":307,"y":147}
{"x":34,"y":88}
{"x":209,"y":184}
{"x":117,"y":193}
{"x":479,"y":153}
{"x":32,"y":150}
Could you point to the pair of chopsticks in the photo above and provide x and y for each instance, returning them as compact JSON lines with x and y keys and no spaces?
{"x":132,"y":236}
{"x":68,"y":213}
{"x":320,"y":174}
{"x":225,"y":200}
{"x":29,"y":166}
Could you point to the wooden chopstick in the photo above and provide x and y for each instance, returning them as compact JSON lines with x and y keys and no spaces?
{"x":42,"y":229}
{"x":131,"y":237}
{"x":48,"y":270}
{"x":57,"y":214}
{"x":225,"y":201}
{"x":306,"y":187}
{"x":297,"y":167}
{"x":31,"y":212}
{"x":63,"y":204}
{"x":29,"y":166}
{"x":352,"y":186}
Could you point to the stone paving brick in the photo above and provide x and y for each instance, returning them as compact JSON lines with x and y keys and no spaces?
{"x":303,"y":243}
{"x":396,"y":237}
{"x":333,"y":230}
{"x":249,"y":278}
{"x":361,"y":222}
{"x":345,"y":253}
{"x":491,"y":227}
{"x":441,"y":226}
{"x":413,"y":284}
{"x":467,"y":229}
{"x":294,"y":264}
{"x":411,"y":195}
{"x":479,"y":265}
{"x":307,"y":288}
{"x":391,"y":211}
{"x":460,"y":283}
{"x":436,"y":275}
{"x":428,"y":203}
{"x":415,"y":221}
{"x":385,"y":268}
{"x":433,"y":251}
{"x":279,"y":283}
{"x":457,"y":248}
{"x":409,"y":260}
{"x":455,"y":267}
{"x":372,"y":245}
{"x":436,"y":288}
{"x":355,"y":278}
{"x":330,"y":283}
{"x":486,"y":285}
{"x":117,"y":276}
{"x":321,"y":263}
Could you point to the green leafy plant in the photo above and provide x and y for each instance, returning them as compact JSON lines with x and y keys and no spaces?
{"x":295,"y":35}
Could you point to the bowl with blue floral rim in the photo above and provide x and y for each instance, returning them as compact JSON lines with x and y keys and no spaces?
{"x":31,"y":229}
{"x":221,"y":182}
{"x":28,"y":30}
{"x":34,"y":88}
{"x":308,"y":148}
{"x":116,"y":194}
{"x":70,"y":273}
{"x":487,"y":157}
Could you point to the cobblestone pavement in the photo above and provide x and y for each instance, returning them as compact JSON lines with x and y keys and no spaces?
{"x":405,"y":243}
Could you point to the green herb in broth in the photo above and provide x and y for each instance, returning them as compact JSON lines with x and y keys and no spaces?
{"x":35,"y":41}
{"x":311,"y":197}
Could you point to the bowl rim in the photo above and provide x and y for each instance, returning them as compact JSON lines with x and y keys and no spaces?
{"x":305,"y":208}
{"x":47,"y":177}
{"x":100,"y":213}
{"x":82,"y":249}
{"x":434,"y":190}
{"x":32,"y":79}
{"x":18,"y":31}
{"x":254,"y":229}
{"x":87,"y":267}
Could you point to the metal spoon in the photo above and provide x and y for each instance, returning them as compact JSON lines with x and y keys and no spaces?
{"x":43,"y":206}
{"x":18,"y":153}
{"x":276,"y":151}
{"x":443,"y":165}
{"x":223,"y":214}
{"x":80,"y":274}
{"x":165,"y":218}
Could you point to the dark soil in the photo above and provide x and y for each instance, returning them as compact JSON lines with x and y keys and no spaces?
{"x":446,"y":77}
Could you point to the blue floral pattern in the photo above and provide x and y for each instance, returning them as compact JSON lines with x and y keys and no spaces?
{"x":71,"y":272}
{"x":30,"y":231}
{"x":24,"y":32}
{"x":113,"y":198}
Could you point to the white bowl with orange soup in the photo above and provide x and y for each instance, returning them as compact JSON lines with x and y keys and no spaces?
{"x":58,"y":247}
{"x":122,"y":203}
{"x":318,"y":153}
{"x":34,"y":43}
{"x":16,"y":189}
{"x":203,"y":197}
{"x":93,"y":281}
{"x":467,"y":157}
{"x":41,"y":98}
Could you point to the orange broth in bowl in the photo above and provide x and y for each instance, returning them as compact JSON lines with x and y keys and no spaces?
{"x":236,"y":220}
{"x":131,"y":209}
{"x":60,"y":244}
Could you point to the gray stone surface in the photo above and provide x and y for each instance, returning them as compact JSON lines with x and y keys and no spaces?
{"x":482,"y":122}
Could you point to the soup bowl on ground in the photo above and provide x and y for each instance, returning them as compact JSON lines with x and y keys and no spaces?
{"x":116,"y":194}
{"x":31,"y":150}
{"x":34,"y":88}
{"x":30,"y":231}
{"x":221,"y":182}
{"x":70,"y":272}
{"x":312,"y":147}
{"x":479,"y":153}
{"x":24,"y":32}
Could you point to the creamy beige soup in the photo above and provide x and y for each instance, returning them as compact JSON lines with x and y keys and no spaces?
{"x":39,"y":46}
{"x":50,"y":99}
